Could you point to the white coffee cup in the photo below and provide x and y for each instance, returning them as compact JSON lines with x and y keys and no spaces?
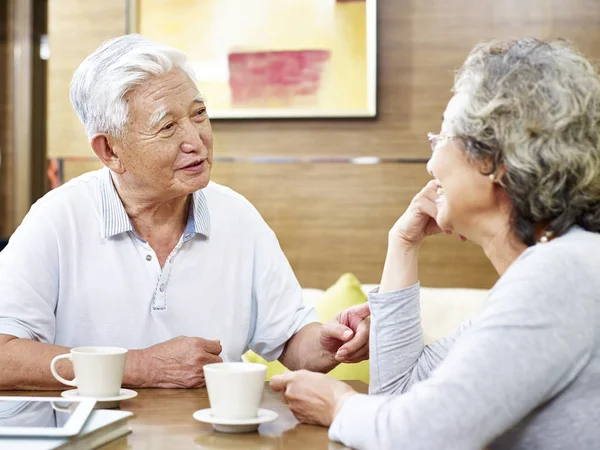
{"x":98,"y":370}
{"x":235,"y":388}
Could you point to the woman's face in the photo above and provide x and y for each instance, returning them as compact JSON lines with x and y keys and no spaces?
{"x":466,"y":194}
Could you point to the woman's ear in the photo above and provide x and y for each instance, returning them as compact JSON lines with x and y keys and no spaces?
{"x":103,"y":146}
{"x":498,"y":175}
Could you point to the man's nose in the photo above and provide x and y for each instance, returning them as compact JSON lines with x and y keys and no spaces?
{"x":191,"y":141}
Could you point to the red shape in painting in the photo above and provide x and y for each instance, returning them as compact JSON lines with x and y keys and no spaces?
{"x":257,"y":77}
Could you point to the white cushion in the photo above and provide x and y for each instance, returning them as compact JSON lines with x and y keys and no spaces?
{"x":311,"y":295}
{"x":444,"y":309}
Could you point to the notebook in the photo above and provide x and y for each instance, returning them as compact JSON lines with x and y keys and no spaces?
{"x":101,"y":427}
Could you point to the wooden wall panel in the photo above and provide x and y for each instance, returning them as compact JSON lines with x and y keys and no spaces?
{"x":6,"y":166}
{"x":75,"y":29}
{"x":333,"y":218}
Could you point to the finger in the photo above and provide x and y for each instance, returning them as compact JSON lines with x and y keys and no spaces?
{"x":433,"y":228}
{"x":284,"y":399}
{"x":362,"y":311}
{"x":336,"y":330}
{"x":279,"y":382}
{"x":359,"y":340}
{"x":431,"y":191}
{"x":211,"y":359}
{"x":429,"y":209}
{"x":360,"y":355}
{"x":428,"y":206}
{"x":432,"y":185}
{"x":213,"y":347}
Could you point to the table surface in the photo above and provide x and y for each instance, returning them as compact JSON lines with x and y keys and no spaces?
{"x":163,"y":420}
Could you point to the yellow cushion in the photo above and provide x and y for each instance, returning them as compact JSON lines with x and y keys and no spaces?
{"x":346,"y":292}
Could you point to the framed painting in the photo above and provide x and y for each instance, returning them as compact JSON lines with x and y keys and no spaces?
{"x":272,"y":58}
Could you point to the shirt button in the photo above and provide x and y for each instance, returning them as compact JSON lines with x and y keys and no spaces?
{"x":148,"y":257}
{"x":187,"y":236}
{"x":162,"y":288}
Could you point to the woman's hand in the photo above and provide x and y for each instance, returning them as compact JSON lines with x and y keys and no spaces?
{"x":401,"y":268}
{"x":314,"y":398}
{"x":418,"y":221}
{"x":347,"y":336}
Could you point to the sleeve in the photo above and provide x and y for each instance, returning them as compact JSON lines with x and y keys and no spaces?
{"x":29,"y":279}
{"x":530,"y":342}
{"x":399,"y":357}
{"x":276,"y":296}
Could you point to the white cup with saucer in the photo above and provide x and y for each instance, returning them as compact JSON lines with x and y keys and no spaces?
{"x":234,"y":391}
{"x":98,"y":374}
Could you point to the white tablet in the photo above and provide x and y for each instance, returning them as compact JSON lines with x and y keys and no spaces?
{"x":43,"y":416}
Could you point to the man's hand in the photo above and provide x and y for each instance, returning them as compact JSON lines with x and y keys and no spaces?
{"x":347,"y":336}
{"x":178,"y":362}
{"x":313,"y":398}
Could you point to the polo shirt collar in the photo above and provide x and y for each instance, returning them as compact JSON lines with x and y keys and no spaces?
{"x":116,"y":221}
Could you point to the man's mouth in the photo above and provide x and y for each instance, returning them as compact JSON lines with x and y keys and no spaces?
{"x":196,"y":165}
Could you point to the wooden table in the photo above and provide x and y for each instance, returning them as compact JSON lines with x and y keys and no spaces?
{"x":163,"y":420}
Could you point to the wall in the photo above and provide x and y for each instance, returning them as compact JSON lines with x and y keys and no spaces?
{"x":334,"y":217}
{"x":75,"y":29}
{"x":6,"y":167}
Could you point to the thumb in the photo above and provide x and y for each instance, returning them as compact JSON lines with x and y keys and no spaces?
{"x":336,"y":330}
{"x":213,"y":347}
{"x":363,"y":310}
{"x":279,"y":382}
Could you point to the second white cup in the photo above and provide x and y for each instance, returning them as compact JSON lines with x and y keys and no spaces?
{"x":235,"y":389}
{"x":98,"y":370}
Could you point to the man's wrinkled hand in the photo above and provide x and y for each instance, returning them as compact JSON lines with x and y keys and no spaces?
{"x":179,"y":362}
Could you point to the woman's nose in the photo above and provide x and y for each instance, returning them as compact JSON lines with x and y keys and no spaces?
{"x":430,"y":166}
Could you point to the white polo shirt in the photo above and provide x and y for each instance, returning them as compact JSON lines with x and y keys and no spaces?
{"x":75,"y":273}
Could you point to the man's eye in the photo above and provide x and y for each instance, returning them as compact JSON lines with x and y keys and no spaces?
{"x":200,"y":111}
{"x":168,"y":127}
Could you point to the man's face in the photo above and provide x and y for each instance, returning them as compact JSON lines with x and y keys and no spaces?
{"x":166,"y":150}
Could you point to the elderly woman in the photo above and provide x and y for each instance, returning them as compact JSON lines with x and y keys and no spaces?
{"x":516,"y":169}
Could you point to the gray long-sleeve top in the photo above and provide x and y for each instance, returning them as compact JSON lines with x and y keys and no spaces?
{"x":525,"y":374}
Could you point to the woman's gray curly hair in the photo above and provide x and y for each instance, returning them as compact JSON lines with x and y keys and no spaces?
{"x":534,"y":110}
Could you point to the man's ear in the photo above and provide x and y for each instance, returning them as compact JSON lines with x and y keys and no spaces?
{"x":103,"y":146}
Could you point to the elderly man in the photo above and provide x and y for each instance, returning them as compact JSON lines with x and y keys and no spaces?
{"x":148,"y":255}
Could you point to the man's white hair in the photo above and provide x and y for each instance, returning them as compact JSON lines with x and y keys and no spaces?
{"x":118,"y":66}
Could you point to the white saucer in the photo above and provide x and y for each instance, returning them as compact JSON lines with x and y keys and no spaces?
{"x":104,"y":402}
{"x":235,"y":425}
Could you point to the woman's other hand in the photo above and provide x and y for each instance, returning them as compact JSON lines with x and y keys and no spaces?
{"x":418,"y":221}
{"x":314,"y":398}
